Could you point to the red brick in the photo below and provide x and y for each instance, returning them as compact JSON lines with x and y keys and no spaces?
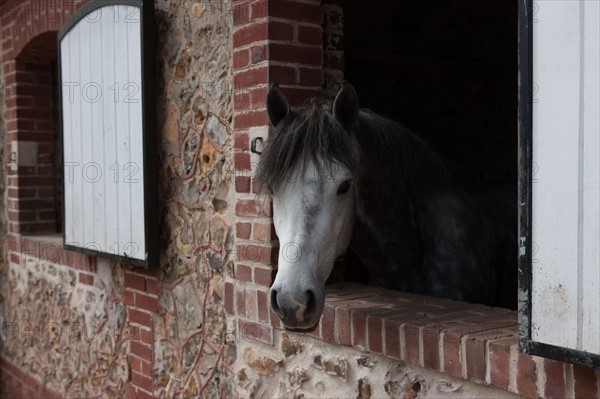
{"x":375,"y":333}
{"x":241,"y":141}
{"x":281,"y":31}
{"x":243,"y":273}
{"x":283,"y":75}
{"x":359,"y":329}
{"x":258,"y":97}
{"x":475,"y":358}
{"x":301,"y":12}
{"x":264,"y":232}
{"x":250,"y":34}
{"x":255,"y":332}
{"x":310,"y":76}
{"x":131,"y":390}
{"x":431,"y":349}
{"x":296,"y":54}
{"x":499,"y":354}
{"x":135,"y":363}
{"x":242,"y":230}
{"x":327,"y":324}
{"x":252,"y":208}
{"x":412,"y":336}
{"x":259,"y":54}
{"x":251,"y":119}
{"x":251,"y":305}
{"x":241,"y":59}
{"x":240,"y":301}
{"x":141,"y":350}
{"x":392,"y":338}
{"x":86,"y":279}
{"x":152,"y":287}
{"x":264,"y":277}
{"x":526,"y":376}
{"x":310,"y":35}
{"x":146,"y":302}
{"x":585,"y":382}
{"x":146,"y":336}
{"x":142,"y":381}
{"x":241,"y":13}
{"x":263,"y":305}
{"x":241,"y":101}
{"x":452,"y":358}
{"x":259,"y":9}
{"x":251,"y":77}
{"x":242,"y":184}
{"x":228,"y":299}
{"x":256,"y":253}
{"x":134,"y":281}
{"x":343,"y":317}
{"x":142,"y":394}
{"x":142,"y":318}
{"x":555,"y":387}
{"x":242,"y":161}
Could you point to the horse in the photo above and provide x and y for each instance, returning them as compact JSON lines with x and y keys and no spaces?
{"x":350,"y":179}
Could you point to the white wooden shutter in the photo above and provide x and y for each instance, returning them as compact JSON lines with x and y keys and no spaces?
{"x":108,"y":131}
{"x":560,"y":284}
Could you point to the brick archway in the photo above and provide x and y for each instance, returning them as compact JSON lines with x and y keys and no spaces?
{"x":29,"y":73}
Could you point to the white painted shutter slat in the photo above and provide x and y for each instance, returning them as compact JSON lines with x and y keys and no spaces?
{"x":135,"y":172}
{"x":110,"y":138}
{"x":123,"y":132}
{"x":565,"y":297}
{"x":555,"y":192}
{"x":590,"y":295}
{"x":67,"y":128}
{"x":103,"y":133}
{"x":86,"y":136}
{"x":95,"y":172}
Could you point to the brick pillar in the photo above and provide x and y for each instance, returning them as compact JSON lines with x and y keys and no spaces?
{"x":274,"y":41}
{"x":141,"y":297}
{"x":32,"y":199}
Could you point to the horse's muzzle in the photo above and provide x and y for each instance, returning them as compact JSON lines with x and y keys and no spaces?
{"x":300,"y":311}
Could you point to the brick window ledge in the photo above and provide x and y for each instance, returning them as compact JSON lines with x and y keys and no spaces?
{"x":47,"y":248}
{"x":470,"y":341}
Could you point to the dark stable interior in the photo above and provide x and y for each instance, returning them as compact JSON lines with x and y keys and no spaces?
{"x":446,"y":69}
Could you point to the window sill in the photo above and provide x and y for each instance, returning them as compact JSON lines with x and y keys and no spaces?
{"x":47,"y":248}
{"x":469,"y":341}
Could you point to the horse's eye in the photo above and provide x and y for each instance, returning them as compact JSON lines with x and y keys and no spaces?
{"x":344,"y":187}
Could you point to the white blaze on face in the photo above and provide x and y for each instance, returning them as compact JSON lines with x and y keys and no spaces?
{"x":313,"y":217}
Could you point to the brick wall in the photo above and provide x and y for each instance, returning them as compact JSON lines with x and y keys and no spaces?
{"x":141,"y":296}
{"x":299,"y":45}
{"x":276,"y":41}
{"x":32,"y":197}
{"x":199,"y":296}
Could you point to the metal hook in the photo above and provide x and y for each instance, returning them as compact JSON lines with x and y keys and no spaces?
{"x":253,"y":145}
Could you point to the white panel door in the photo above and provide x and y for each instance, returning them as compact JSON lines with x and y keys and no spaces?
{"x":565,"y":295}
{"x":101,"y":73}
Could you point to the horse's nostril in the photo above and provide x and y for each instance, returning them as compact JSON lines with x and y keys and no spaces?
{"x":311,"y":305}
{"x":274,"y":304}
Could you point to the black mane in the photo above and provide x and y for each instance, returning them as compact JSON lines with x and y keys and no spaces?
{"x":307,"y":133}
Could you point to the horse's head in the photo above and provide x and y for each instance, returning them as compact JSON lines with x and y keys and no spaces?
{"x":308,"y":165}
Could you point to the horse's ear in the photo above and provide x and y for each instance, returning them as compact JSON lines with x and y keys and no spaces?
{"x":345,"y":106}
{"x":277,"y":105}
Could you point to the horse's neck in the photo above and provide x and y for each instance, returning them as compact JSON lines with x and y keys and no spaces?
{"x":405,"y":197}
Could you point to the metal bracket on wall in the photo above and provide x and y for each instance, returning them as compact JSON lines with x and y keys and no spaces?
{"x":253,"y":145}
